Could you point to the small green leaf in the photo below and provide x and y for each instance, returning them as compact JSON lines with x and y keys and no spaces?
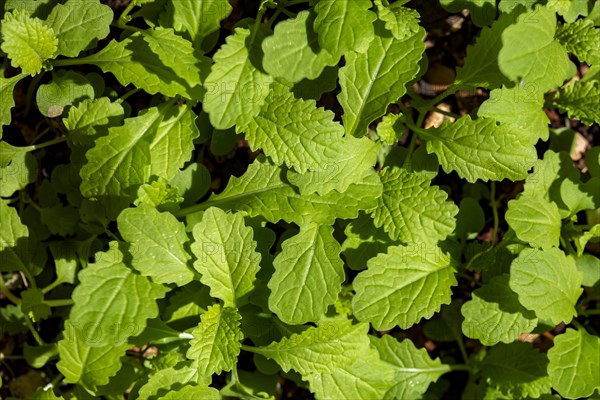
{"x":547,"y":283}
{"x":27,"y":41}
{"x":293,"y":52}
{"x":226,"y":256}
{"x":165,"y":380}
{"x":480,"y":149}
{"x":495,"y":314}
{"x":77,"y":26}
{"x":372,"y":80}
{"x":308,"y":275}
{"x":411,"y":209}
{"x":7,"y":100}
{"x":158,"y":243}
{"x":344,"y":25}
{"x":401,"y":21}
{"x":579,"y":196}
{"x":14,"y":241}
{"x":65,"y":89}
{"x":574,"y":366}
{"x":160,"y":195}
{"x":581,"y":39}
{"x":404,"y":285}
{"x":32,"y":305}
{"x":390,"y":128}
{"x":535,"y":221}
{"x":91,"y":119}
{"x":589,"y":266}
{"x":580,"y":100}
{"x":217,"y":340}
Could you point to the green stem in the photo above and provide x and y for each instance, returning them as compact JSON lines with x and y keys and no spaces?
{"x":463,"y":350}
{"x":411,"y":149}
{"x":444,"y":112}
{"x":38,"y":137}
{"x":577,"y":325}
{"x":59,"y":303}
{"x":35,"y":334}
{"x":127,"y":95}
{"x":448,"y":92}
{"x":567,"y":245}
{"x":125,"y":18}
{"x":48,"y":143}
{"x":494,"y":205}
{"x":9,"y":295}
{"x":251,"y":349}
{"x":459,"y":367}
{"x":68,"y":62}
{"x":591,"y":312}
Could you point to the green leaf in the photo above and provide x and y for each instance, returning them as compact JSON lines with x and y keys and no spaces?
{"x":520,"y":108}
{"x":22,"y":171}
{"x":372,"y":80}
{"x":293,"y":51}
{"x":160,"y":195}
{"x":589,"y":266}
{"x":581,"y":39}
{"x":535,"y":221}
{"x":8,"y":153}
{"x":574,"y":367}
{"x":227,"y":256}
{"x":91,"y":119}
{"x":569,"y":9}
{"x":390,"y":128}
{"x":66,"y":88}
{"x":236,"y":87}
{"x":158,"y":243}
{"x":168,"y":379}
{"x":481,"y":62}
{"x":193,"y":392}
{"x":294,"y":131}
{"x":65,"y":259}
{"x":344,"y":26}
{"x":495,"y":315}
{"x":353,"y":162}
{"x":32,"y":305}
{"x":315,"y":88}
{"x":217,"y":340}
{"x":27,"y":41}
{"x":196,"y":19}
{"x":401,"y":21}
{"x":413,"y":369}
{"x":582,"y":240}
{"x":547,"y":283}
{"x":308,"y":275}
{"x":404,"y":285}
{"x":77,"y":26}
{"x":7,"y":101}
{"x":262,"y":191}
{"x":14,"y":241}
{"x":470,"y":218}
{"x":581,"y":101}
{"x":319,"y":349}
{"x":482,"y":11}
{"x":411,"y":209}
{"x":192,"y":183}
{"x":60,"y":220}
{"x":533,"y":55}
{"x":518,"y":370}
{"x":579,"y":196}
{"x":112,"y":301}
{"x":155,"y":60}
{"x":480,"y":149}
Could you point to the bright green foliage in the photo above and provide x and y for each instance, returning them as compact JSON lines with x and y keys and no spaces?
{"x":401,"y":21}
{"x":480,"y":149}
{"x":580,"y":101}
{"x":547,"y":283}
{"x":532,"y":51}
{"x":294,"y":132}
{"x":78,"y":28}
{"x":535,"y":221}
{"x":411,"y":209}
{"x":413,"y":369}
{"x":92,"y":118}
{"x":578,"y":196}
{"x":165,"y":380}
{"x":386,"y":129}
{"x":344,"y":25}
{"x":495,"y":314}
{"x":363,"y":242}
{"x":157,"y":245}
{"x":308,"y":263}
{"x":372,"y":80}
{"x":236,"y":88}
{"x":517,"y":370}
{"x":570,"y":10}
{"x":32,"y":305}
{"x":7,"y":101}
{"x":574,"y":367}
{"x":64,"y":90}
{"x":22,"y":170}
{"x":226,"y":256}
{"x":581,"y":39}
{"x":27,"y":41}
{"x":293,"y":52}
{"x":403,"y":285}
{"x":216,"y":342}
{"x":14,"y":241}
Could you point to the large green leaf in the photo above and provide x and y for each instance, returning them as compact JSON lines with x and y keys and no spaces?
{"x":27,"y":41}
{"x":91,"y":119}
{"x":65,"y":89}
{"x":308,"y":275}
{"x":344,"y":25}
{"x":262,"y":191}
{"x":403,"y":285}
{"x":196,"y":19}
{"x":411,"y":209}
{"x":227,"y":256}
{"x":372,"y":80}
{"x":413,"y":369}
{"x":574,"y":366}
{"x":217,"y":340}
{"x":158,"y":243}
{"x":494,"y":314}
{"x":531,"y":54}
{"x":294,"y":131}
{"x":236,"y":88}
{"x":535,"y":221}
{"x":79,"y":26}
{"x":547,"y":283}
{"x":168,"y":379}
{"x":480,"y":149}
{"x":293,"y":52}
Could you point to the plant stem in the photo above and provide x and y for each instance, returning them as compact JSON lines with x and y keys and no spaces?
{"x":9,"y":295}
{"x":59,"y":303}
{"x":463,"y":350}
{"x":35,"y":334}
{"x":591,"y":312}
{"x":494,"y":205}
{"x":46,"y":144}
{"x":67,"y":62}
{"x":251,"y":349}
{"x":127,"y":95}
{"x":446,"y":113}
{"x":124,"y":18}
